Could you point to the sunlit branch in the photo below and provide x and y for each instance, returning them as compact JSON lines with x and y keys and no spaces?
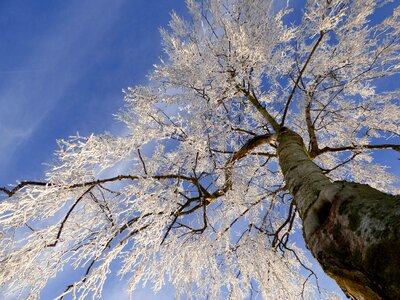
{"x":20,"y":186}
{"x":95,"y":259}
{"x":67,"y":216}
{"x":261,"y":109}
{"x":169,"y":229}
{"x":311,"y":128}
{"x":242,"y":214}
{"x":326,"y":105}
{"x":360,"y":148}
{"x":219,"y":192}
{"x":283,"y":225}
{"x":104,"y":207}
{"x":205,"y":198}
{"x":252,"y":144}
{"x":243,"y":130}
{"x":242,"y":152}
{"x":285,"y":247}
{"x":96,"y":182}
{"x":325,"y":171}
{"x":180,"y":212}
{"x":266,"y":154}
{"x":143,"y":164}
{"x":321,"y":35}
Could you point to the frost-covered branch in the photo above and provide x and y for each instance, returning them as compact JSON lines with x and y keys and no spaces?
{"x":195,"y":192}
{"x":360,"y":148}
{"x":299,"y":76}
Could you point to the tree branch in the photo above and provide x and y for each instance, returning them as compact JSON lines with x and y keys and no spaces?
{"x":67,"y":216}
{"x":288,"y":219}
{"x":141,"y":159}
{"x":359,"y":147}
{"x":326,"y":171}
{"x":242,"y":152}
{"x":23,"y":184}
{"x":253,"y":99}
{"x":321,"y":35}
{"x":311,"y":129}
{"x":252,"y":153}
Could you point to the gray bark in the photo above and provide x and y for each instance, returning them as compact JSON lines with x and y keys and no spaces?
{"x":353,"y":230}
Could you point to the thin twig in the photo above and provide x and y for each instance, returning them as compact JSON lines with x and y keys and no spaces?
{"x":141,"y":159}
{"x":321,"y":35}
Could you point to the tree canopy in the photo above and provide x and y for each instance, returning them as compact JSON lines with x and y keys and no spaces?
{"x":194,"y":192}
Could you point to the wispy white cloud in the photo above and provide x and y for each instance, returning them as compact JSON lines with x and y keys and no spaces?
{"x":20,"y":71}
{"x":30,"y":91}
{"x":117,"y":290}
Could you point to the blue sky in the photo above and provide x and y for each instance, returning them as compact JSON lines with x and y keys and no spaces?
{"x":63,"y":65}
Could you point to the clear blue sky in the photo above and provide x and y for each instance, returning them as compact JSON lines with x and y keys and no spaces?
{"x":63,"y":65}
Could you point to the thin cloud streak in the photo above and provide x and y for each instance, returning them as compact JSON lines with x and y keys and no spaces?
{"x":28,"y":95}
{"x":21,"y":71}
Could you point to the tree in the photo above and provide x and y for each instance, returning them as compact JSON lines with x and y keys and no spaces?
{"x":257,"y":122}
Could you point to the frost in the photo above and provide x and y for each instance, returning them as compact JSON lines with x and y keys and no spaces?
{"x":200,"y":200}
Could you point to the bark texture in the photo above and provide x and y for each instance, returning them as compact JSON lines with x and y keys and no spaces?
{"x":353,"y":230}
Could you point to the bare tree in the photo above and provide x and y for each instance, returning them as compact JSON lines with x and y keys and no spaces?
{"x":256,"y":124}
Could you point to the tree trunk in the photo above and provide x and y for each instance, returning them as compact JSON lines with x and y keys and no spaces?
{"x":352,"y":229}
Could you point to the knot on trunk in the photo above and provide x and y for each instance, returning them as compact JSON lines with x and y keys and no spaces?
{"x":355,"y":235}
{"x":319,"y":211}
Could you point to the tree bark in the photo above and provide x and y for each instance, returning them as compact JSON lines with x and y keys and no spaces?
{"x":352,"y":229}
